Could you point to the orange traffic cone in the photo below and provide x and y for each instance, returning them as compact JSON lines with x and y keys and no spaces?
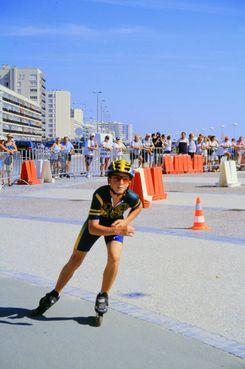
{"x":199,"y":220}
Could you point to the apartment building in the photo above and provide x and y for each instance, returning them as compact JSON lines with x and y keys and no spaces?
{"x":28,"y":82}
{"x":58,"y":108}
{"x":19,"y":116}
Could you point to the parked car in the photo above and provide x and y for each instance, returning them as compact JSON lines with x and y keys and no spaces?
{"x":49,"y":143}
{"x":26,"y":145}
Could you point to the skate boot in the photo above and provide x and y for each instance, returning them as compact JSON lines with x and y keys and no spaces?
{"x":101,"y":307}
{"x":45,"y":303}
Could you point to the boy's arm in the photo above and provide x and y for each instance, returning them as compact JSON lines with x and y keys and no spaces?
{"x":97,"y":229}
{"x":131,"y":216}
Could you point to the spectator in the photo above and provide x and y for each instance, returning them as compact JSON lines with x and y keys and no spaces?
{"x":67,"y":152}
{"x":135,"y":154}
{"x":192,"y":145}
{"x":205,"y":148}
{"x":182,"y":144}
{"x":9,"y":160}
{"x":158,"y":146}
{"x":240,"y":149}
{"x":232,"y":150}
{"x":224,"y":147}
{"x":168,"y":145}
{"x":213,"y":147}
{"x":105,"y":155}
{"x":3,"y":152}
{"x":118,"y":149}
{"x":199,"y":145}
{"x":147,"y":150}
{"x":55,"y":157}
{"x":90,"y":147}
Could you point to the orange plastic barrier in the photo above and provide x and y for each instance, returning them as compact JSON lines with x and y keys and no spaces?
{"x":178,"y":164}
{"x":168,"y":165}
{"x":137,"y":186}
{"x":189,"y":164}
{"x":149,"y":182}
{"x":157,"y":179}
{"x":28,"y":173}
{"x":199,"y":220}
{"x":198,"y":163}
{"x":185,"y":163}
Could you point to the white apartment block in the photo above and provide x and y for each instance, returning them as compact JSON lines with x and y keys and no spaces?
{"x":19,"y":116}
{"x":58,"y":109}
{"x":28,"y":82}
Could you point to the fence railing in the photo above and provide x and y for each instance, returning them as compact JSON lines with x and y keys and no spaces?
{"x":75,"y":164}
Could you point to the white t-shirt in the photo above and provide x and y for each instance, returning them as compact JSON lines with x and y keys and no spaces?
{"x":89,"y":144}
{"x":224,"y":146}
{"x":118,"y":148}
{"x":168,"y":145}
{"x":192,"y":146}
{"x":105,"y":151}
{"x":136,"y":145}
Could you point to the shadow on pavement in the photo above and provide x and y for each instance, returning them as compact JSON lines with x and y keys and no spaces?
{"x":19,"y":313}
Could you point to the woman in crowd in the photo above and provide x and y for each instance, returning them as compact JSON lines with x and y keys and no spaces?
{"x":199,"y":145}
{"x":213,"y":147}
{"x":67,"y":151}
{"x":147,"y":151}
{"x":136,"y":147}
{"x":3,"y":152}
{"x":192,"y":145}
{"x":168,"y":145}
{"x":9,"y":160}
{"x":118,"y":149}
{"x":105,"y":155}
{"x":205,"y":148}
{"x":240,"y":149}
{"x":55,"y":157}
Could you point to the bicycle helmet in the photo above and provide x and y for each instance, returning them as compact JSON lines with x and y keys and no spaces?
{"x":120,"y":166}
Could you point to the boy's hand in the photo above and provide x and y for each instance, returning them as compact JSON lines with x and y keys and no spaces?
{"x":126,"y":230}
{"x":119,"y":223}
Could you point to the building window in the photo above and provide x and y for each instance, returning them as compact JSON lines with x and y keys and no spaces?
{"x":33,"y":90}
{"x":32,"y":77}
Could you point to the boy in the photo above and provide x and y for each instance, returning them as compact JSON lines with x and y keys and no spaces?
{"x":105,"y":219}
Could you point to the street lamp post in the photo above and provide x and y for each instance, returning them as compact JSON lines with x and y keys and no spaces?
{"x":235,"y":125}
{"x":101,"y":110}
{"x":221,"y":131}
{"x":97,"y":108}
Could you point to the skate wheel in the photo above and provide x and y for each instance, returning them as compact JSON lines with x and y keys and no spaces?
{"x":99,"y":320}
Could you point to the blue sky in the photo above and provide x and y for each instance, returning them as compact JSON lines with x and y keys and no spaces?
{"x":162,"y":65}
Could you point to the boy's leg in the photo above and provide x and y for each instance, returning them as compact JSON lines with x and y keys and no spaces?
{"x":68,"y":270}
{"x":114,"y":250}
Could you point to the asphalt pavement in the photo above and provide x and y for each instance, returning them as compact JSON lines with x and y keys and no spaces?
{"x":178,"y":302}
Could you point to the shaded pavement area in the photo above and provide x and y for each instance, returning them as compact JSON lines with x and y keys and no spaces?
{"x":66,"y":337}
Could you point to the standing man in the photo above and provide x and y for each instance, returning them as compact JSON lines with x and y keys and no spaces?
{"x":105,"y":219}
{"x":68,"y":150}
{"x":182,"y":144}
{"x":90,"y":147}
{"x":105,"y":155}
{"x":136,"y":147}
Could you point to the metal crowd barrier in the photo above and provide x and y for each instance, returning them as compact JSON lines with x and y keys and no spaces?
{"x":155,"y":157}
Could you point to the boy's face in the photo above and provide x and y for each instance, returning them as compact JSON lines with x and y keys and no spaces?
{"x":119,"y":182}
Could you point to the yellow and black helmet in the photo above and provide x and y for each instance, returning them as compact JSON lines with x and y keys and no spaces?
{"x":120,"y":166}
